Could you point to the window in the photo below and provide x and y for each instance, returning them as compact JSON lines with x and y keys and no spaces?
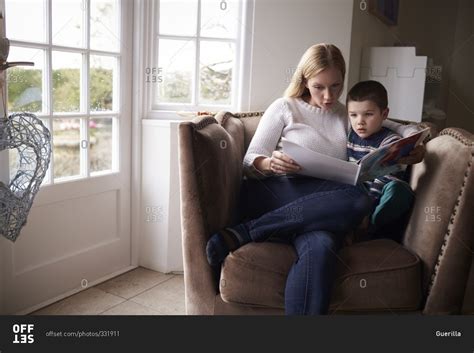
{"x":197,"y":55}
{"x":74,"y":83}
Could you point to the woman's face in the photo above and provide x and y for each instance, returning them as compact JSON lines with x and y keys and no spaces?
{"x":325,"y":88}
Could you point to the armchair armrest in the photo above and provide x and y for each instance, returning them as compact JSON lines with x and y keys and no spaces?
{"x":210,"y":163}
{"x":441,"y":223}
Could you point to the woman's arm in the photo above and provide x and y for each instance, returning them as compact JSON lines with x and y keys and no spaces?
{"x":265,"y":140}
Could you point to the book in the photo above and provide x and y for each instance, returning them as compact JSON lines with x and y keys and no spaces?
{"x":378,"y":163}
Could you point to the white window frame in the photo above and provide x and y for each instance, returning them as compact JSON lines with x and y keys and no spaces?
{"x":85,"y":114}
{"x":148,"y":37}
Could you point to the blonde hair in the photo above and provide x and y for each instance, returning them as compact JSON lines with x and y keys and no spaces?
{"x":317,"y":58}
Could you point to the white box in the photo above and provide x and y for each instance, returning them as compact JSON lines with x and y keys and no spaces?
{"x":402,"y":73}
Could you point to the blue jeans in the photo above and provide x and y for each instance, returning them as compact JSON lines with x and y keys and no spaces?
{"x":309,"y":283}
{"x":312,"y":214}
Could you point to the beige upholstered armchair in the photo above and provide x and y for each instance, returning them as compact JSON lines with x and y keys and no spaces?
{"x":431,"y":272}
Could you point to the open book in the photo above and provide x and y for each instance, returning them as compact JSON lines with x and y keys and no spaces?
{"x":380,"y":162}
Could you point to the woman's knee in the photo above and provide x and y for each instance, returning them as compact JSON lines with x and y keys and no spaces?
{"x":356,"y":199}
{"x":361,"y":205}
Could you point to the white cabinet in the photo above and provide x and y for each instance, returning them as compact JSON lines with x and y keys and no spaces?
{"x":403,"y":75}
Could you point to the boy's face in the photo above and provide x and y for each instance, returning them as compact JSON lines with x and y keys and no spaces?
{"x":366,"y":117}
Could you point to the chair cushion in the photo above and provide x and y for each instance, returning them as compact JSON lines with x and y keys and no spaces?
{"x":377,"y":275}
{"x":256,"y":274}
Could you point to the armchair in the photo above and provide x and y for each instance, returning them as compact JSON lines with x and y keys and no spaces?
{"x":431,"y":272}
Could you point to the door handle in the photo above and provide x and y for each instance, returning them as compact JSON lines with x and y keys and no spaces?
{"x":4,"y":51}
{"x":7,"y":65}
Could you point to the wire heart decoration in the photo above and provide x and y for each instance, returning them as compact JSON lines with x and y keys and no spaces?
{"x":31,"y":138}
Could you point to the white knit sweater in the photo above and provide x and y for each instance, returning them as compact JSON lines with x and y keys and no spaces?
{"x":323,"y":131}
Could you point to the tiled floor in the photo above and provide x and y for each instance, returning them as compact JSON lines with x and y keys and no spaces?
{"x":138,"y":292}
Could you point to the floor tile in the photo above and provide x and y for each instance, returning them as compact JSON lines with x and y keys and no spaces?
{"x":133,"y":282}
{"x":130,"y":308}
{"x":166,"y":298}
{"x":92,"y":301}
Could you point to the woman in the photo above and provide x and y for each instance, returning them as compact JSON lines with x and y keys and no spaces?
{"x":313,"y":214}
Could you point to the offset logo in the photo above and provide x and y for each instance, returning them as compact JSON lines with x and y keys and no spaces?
{"x":23,"y":333}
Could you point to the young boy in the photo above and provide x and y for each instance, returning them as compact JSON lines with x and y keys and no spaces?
{"x":367,"y":106}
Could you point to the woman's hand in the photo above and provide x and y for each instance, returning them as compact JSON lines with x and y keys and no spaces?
{"x":278,"y":163}
{"x":415,"y":156}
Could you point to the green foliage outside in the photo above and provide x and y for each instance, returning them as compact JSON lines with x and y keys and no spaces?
{"x":25,"y":90}
{"x":20,"y":82}
{"x":25,"y":94}
{"x":176,"y":87}
{"x":215,"y":86}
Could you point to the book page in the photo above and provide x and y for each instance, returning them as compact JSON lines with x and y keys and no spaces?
{"x":319,"y":165}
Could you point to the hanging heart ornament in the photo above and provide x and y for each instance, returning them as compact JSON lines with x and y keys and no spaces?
{"x":29,"y":136}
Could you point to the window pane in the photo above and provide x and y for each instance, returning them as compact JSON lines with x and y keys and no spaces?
{"x":219,"y":18}
{"x":25,"y":20}
{"x":176,"y":60}
{"x":178,"y":17}
{"x":101,"y":144}
{"x":25,"y":83}
{"x":68,"y":20}
{"x":216,"y":65}
{"x":105,"y":25}
{"x":66,"y":144}
{"x":102,"y":73}
{"x":66,"y":81}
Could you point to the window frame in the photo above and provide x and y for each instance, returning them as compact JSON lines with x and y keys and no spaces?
{"x":85,"y":115}
{"x":241,"y":70}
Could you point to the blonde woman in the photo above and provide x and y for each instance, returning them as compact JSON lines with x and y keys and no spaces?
{"x":312,"y":214}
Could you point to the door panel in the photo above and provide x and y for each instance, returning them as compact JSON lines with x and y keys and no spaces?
{"x":71,"y":233}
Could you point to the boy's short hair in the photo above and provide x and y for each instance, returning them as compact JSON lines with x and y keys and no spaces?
{"x":369,"y":91}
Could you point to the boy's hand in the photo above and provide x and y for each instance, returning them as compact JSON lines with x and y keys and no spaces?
{"x":415,"y":156}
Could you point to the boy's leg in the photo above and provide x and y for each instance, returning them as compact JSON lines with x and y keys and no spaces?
{"x":392,"y":212}
{"x":393,"y":230}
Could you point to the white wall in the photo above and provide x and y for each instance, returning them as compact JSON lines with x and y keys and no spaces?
{"x":441,"y":31}
{"x":367,"y":31}
{"x":160,"y":233}
{"x":430,"y":25}
{"x":283,"y":30}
